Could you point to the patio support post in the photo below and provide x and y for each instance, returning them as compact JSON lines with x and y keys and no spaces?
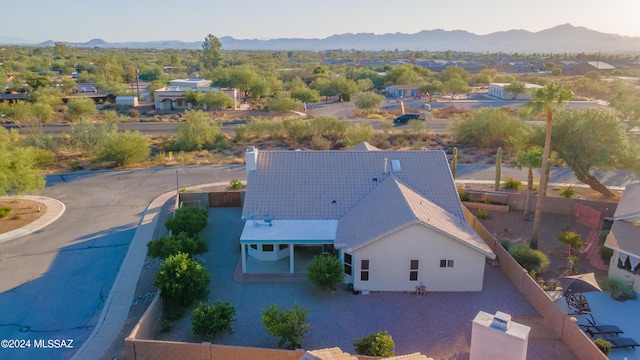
{"x":291,"y":258}
{"x":243,"y":255}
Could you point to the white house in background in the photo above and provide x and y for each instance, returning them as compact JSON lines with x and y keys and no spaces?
{"x":394,"y":218}
{"x":497,"y":90}
{"x":624,"y":238}
{"x":172,"y":96}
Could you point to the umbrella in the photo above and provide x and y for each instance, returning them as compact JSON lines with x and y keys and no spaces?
{"x":579,"y":283}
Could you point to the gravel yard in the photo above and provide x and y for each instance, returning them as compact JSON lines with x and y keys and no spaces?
{"x":437,"y":325}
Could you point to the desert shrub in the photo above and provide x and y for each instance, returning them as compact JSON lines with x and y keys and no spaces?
{"x":506,"y":244}
{"x":290,"y":325}
{"x":606,"y":254}
{"x":4,"y":211}
{"x":488,"y":127}
{"x":199,"y":132}
{"x":234,"y":185}
{"x":190,"y":220}
{"x":534,"y":261}
{"x":358,"y":133}
{"x":379,"y":344}
{"x":512,"y":183}
{"x":209,"y":320}
{"x":177,"y":243}
{"x":604,"y":345}
{"x":133,"y":113}
{"x":325,"y":271}
{"x":80,"y":108}
{"x":329,"y":127}
{"x":568,"y":192}
{"x":483,"y":213}
{"x":124,"y":148}
{"x":619,"y":289}
{"x":320,"y":143}
{"x":182,"y":280}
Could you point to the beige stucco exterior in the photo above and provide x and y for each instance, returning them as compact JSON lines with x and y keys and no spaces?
{"x":622,"y":274}
{"x":172,"y":98}
{"x":390,"y":259}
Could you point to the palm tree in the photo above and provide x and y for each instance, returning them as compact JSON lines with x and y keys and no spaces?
{"x":529,"y":159}
{"x":545,"y":100}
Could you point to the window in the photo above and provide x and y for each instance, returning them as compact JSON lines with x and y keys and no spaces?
{"x":446,"y":263}
{"x":254,"y":246}
{"x":364,"y":270}
{"x":267,"y":247}
{"x":413,"y":274}
{"x":347,"y":264}
{"x":625,"y":262}
{"x":283,"y":246}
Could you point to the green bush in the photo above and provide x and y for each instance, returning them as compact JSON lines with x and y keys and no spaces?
{"x":325,"y":271}
{"x":80,"y":108}
{"x":290,"y":325}
{"x":606,"y":254}
{"x":182,"y":280}
{"x":209,"y":320}
{"x":619,"y":289}
{"x":483,"y":213}
{"x":190,"y":220}
{"x":534,"y":261}
{"x":4,"y":211}
{"x":379,"y":344}
{"x":604,"y":345}
{"x":124,"y":148}
{"x":571,"y":238}
{"x":234,"y":185}
{"x":177,"y":243}
{"x":512,"y":183}
{"x":568,"y":192}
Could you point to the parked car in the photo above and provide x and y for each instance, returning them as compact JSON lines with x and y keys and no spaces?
{"x":406,"y":117}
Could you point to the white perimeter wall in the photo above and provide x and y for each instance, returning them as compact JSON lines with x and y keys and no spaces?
{"x":390,"y":260}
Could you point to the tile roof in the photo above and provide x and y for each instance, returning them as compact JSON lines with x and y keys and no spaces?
{"x":327,"y":184}
{"x":629,"y":205}
{"x":364,"y":146}
{"x":392,"y":206}
{"x":624,"y":235}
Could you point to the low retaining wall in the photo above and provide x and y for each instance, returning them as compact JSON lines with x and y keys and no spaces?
{"x":571,"y":335}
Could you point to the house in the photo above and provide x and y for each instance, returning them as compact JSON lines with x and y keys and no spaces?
{"x":497,"y":90}
{"x":172,"y":96}
{"x":394,"y":218}
{"x":403,"y":91}
{"x":127,"y":100}
{"x":624,"y":238}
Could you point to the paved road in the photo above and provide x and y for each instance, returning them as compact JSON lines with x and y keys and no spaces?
{"x":338,"y":110}
{"x":55,"y":282}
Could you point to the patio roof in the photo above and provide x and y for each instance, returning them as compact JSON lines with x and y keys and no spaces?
{"x":289,"y":232}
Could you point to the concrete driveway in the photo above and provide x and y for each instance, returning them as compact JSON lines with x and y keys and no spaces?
{"x":54,"y":282}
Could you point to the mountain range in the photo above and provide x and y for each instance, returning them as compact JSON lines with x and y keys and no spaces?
{"x":560,"y":39}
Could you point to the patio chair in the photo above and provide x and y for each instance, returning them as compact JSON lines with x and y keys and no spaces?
{"x":592,"y":329}
{"x":623,"y":342}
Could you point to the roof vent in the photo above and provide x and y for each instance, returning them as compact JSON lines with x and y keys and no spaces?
{"x":395,"y":166}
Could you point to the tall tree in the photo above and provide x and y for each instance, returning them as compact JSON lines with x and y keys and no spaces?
{"x":594,"y":138}
{"x":211,"y":53}
{"x":545,"y":100}
{"x":516,"y":88}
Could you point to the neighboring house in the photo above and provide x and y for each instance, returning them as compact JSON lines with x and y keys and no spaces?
{"x":394,"y":218}
{"x":403,"y":91}
{"x":497,"y":90}
{"x":127,"y":100}
{"x":624,"y":238}
{"x":172,"y":97}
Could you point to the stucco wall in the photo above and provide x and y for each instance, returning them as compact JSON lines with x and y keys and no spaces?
{"x":622,"y":274}
{"x":390,"y":259}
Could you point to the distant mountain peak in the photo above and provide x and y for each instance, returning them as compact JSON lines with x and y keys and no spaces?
{"x":565,"y":38}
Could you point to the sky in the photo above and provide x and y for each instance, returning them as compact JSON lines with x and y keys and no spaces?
{"x":193,"y":20}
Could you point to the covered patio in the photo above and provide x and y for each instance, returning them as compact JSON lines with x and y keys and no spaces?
{"x":284,"y":246}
